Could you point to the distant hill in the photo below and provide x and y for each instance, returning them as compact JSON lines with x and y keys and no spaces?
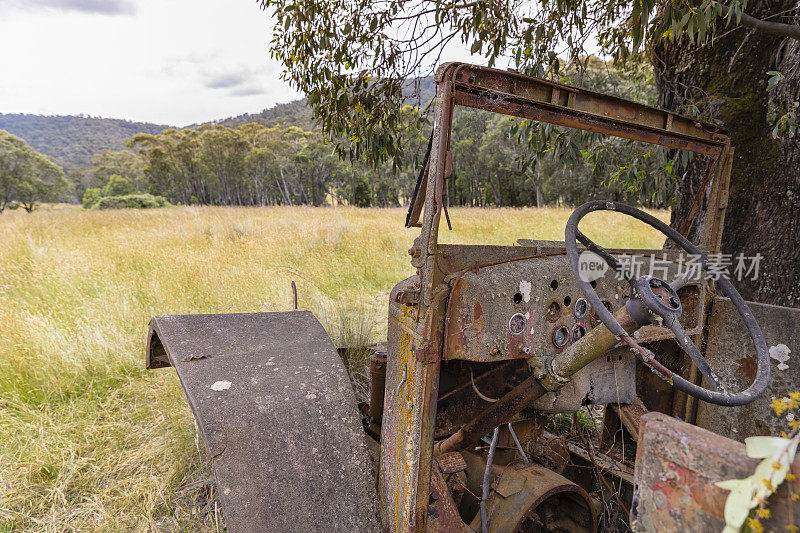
{"x":71,"y":141}
{"x":295,"y":113}
{"x":298,"y":113}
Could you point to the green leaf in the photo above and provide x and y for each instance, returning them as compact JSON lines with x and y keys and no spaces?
{"x":760,"y":447}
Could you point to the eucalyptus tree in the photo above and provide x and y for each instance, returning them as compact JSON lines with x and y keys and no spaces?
{"x":12,"y":158}
{"x":223,"y":151}
{"x":26,"y":176}
{"x":42,"y":181}
{"x":712,"y":58}
{"x":173,"y":165}
{"x":105,"y":164}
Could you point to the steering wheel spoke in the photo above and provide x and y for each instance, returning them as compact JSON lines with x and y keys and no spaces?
{"x":679,"y":282}
{"x":683,"y":340}
{"x":605,"y":256}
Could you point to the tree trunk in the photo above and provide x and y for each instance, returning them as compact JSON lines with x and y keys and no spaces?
{"x":727,"y":80}
{"x":539,"y":197}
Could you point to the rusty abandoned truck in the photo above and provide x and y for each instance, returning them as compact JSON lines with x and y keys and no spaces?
{"x":483,"y":343}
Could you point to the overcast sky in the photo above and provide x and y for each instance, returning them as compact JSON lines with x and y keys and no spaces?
{"x":172,"y":62}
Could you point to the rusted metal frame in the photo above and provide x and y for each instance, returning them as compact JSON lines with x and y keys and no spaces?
{"x":437,"y":163}
{"x":607,"y":107}
{"x":718,"y":205}
{"x":498,"y":413}
{"x":508,"y":104}
{"x":433,"y":201}
{"x":545,"y":101}
{"x":428,"y":360}
{"x":712,"y":241}
{"x":427,"y":357}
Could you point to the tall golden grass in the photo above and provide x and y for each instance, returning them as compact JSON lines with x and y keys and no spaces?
{"x":89,"y":440}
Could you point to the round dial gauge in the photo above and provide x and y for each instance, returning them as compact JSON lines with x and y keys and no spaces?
{"x":560,"y":336}
{"x":580,"y":308}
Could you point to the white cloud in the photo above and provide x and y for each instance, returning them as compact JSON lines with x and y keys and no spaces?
{"x":173,"y":62}
{"x":99,"y":7}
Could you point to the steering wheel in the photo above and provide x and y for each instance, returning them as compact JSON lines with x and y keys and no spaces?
{"x":655,"y":301}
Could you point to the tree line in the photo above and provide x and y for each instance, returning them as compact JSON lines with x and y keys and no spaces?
{"x":497,"y":161}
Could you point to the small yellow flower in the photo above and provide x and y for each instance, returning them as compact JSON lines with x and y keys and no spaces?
{"x":793,"y":529}
{"x":767,"y":483}
{"x":795,"y":395}
{"x":755,"y":525}
{"x":795,"y":497}
{"x":794,"y":424}
{"x":791,"y":477}
{"x":779,"y":406}
{"x":762,"y":513}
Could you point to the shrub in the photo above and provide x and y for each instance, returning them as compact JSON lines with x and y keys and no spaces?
{"x":362,"y":194}
{"x":91,"y":197}
{"x":119,"y":186}
{"x":132,"y":201}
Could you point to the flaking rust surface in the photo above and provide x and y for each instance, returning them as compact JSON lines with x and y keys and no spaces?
{"x":731,"y":354}
{"x":277,"y":412}
{"x":398,"y":464}
{"x":677,"y":465}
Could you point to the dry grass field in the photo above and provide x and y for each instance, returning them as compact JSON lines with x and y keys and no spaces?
{"x":89,"y":440}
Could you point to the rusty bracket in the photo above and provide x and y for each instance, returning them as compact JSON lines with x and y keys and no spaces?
{"x":430,"y":350}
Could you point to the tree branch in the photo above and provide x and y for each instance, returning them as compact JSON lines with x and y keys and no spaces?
{"x":776,"y":28}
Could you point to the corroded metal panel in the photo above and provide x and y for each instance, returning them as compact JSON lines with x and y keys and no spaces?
{"x":277,"y":412}
{"x":731,"y":354}
{"x":398,"y":465}
{"x":513,"y":309}
{"x":606,"y":380}
{"x":677,"y":465}
{"x":412,"y":379}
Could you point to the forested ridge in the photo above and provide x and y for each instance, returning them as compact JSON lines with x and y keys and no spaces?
{"x":281,"y":157}
{"x":71,"y":141}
